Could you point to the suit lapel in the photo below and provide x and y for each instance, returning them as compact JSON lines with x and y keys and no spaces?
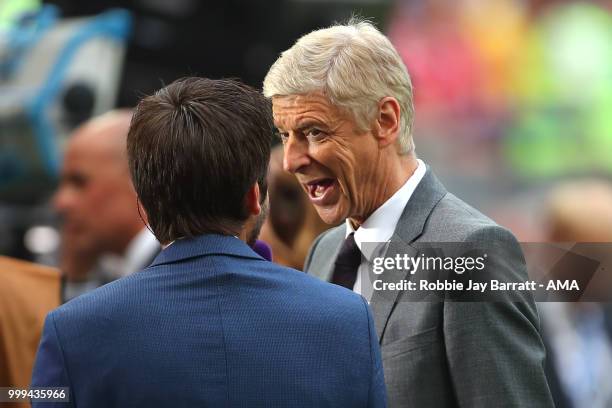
{"x":425,"y":197}
{"x":383,"y":302}
{"x":322,"y":265}
{"x":409,"y":227}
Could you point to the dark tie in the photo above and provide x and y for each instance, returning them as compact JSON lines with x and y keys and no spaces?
{"x":347,"y":263}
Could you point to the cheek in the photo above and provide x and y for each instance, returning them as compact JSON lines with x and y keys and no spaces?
{"x":101,"y":205}
{"x":356,"y":185}
{"x":97,"y":201}
{"x":358,"y":166}
{"x":341,"y":160}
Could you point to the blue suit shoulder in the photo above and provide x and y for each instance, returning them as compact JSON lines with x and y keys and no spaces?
{"x":249,"y":330}
{"x":302,"y":291}
{"x":103,"y":300}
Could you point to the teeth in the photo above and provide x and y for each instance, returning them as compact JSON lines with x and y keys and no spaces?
{"x":318,"y":192}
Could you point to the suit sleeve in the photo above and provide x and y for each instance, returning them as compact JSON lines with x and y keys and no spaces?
{"x":494,"y":349}
{"x":377,"y":395}
{"x":49,"y":367}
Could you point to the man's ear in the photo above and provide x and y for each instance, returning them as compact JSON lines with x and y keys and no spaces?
{"x":252,"y":199}
{"x":387,"y":124}
{"x":142,"y":213}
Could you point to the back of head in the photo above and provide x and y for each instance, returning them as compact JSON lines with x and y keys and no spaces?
{"x":195,"y":148}
{"x":355,"y":66}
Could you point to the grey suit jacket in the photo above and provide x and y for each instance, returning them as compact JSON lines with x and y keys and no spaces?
{"x":452,"y":354}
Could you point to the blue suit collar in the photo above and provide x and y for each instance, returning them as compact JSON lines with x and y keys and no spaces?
{"x":209,"y":244}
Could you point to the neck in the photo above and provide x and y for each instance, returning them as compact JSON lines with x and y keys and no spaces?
{"x":243,"y":236}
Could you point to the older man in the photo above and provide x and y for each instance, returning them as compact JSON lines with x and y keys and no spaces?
{"x":103,"y":236}
{"x":342,"y":103}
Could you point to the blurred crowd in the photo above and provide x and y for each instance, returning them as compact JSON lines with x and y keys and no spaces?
{"x":536,"y":74}
{"x":511,"y":96}
{"x":513,"y":106}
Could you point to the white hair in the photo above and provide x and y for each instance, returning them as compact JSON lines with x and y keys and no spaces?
{"x":354,"y":66}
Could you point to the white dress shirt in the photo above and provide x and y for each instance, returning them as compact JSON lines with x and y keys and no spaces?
{"x":140,"y":250}
{"x":380,"y":225}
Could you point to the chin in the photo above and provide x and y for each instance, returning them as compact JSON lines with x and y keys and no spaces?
{"x":331,"y":216}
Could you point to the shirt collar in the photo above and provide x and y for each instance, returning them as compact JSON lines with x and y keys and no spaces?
{"x":381,"y":224}
{"x":144,"y":245}
{"x":141,"y":248}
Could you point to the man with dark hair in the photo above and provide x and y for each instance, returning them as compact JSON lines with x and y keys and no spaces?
{"x":210,"y":323}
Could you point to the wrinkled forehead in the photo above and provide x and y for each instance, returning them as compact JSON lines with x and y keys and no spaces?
{"x":290,"y":110}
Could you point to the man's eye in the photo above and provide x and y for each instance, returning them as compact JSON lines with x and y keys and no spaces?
{"x":315,"y":134}
{"x":283,"y":136}
{"x":76,"y":180}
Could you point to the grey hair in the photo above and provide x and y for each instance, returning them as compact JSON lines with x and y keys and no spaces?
{"x":354,"y":66}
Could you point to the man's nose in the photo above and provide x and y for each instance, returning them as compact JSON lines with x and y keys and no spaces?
{"x":61,"y":200}
{"x":295,"y":154}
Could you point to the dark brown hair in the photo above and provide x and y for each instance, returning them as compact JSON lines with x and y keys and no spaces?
{"x":195,"y":148}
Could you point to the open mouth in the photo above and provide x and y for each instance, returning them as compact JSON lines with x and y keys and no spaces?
{"x":319,"y":189}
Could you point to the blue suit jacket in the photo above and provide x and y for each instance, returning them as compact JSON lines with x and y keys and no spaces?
{"x":212,"y":324}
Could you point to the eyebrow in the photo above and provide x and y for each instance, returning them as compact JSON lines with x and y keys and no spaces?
{"x":307,"y":124}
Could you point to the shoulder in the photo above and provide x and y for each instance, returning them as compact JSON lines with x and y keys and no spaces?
{"x":453,"y":220}
{"x":20,"y":281}
{"x":330,"y":237}
{"x":310,"y":299}
{"x":337,"y":308}
{"x":327,"y":241}
{"x":93,"y":310}
{"x":321,"y":294}
{"x":109,"y":305}
{"x":21,"y":268}
{"x":325,"y":246}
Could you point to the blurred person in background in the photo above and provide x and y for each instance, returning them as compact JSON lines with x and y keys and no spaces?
{"x":27,"y":293}
{"x":342,"y":103}
{"x":210,"y":322}
{"x":578,"y":335}
{"x":103,"y":235}
{"x":563,"y":92}
{"x":293,"y":223}
{"x":428,"y":38}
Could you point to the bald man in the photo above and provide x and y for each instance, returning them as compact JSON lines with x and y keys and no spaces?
{"x":102,"y":230}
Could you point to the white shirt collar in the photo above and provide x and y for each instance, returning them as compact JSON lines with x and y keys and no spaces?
{"x":143,"y":246}
{"x":381,"y":224}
